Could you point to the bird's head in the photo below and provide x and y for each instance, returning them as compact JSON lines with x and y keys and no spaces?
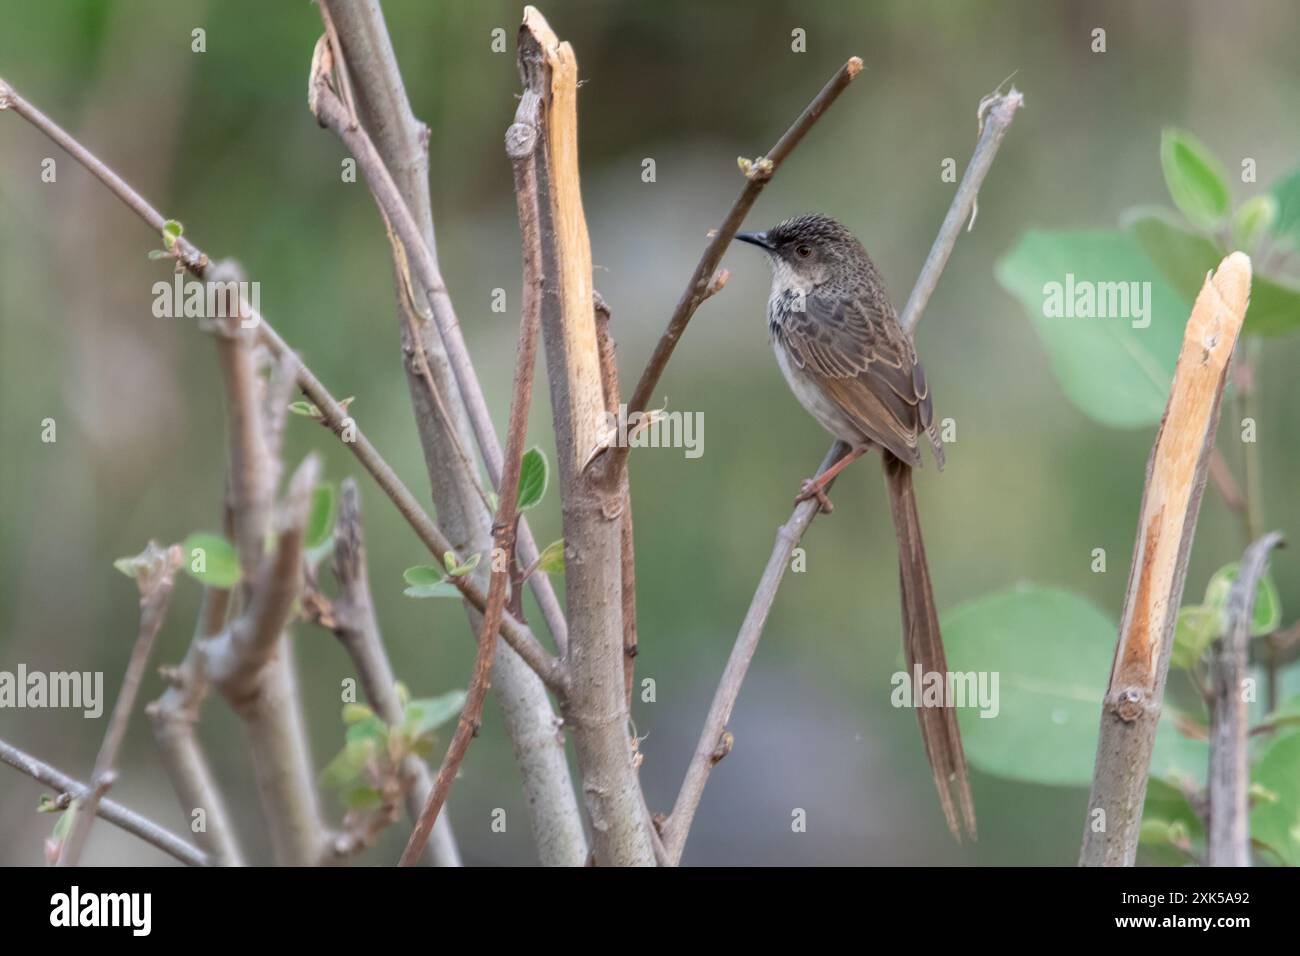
{"x":811,"y":250}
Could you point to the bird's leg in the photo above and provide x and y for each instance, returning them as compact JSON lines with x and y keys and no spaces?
{"x":816,"y":487}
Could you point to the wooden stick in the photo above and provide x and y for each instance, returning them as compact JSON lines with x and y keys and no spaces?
{"x":1171,"y":501}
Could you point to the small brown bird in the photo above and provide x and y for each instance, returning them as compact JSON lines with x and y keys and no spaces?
{"x":851,"y":365}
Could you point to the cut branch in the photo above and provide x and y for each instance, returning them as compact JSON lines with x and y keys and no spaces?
{"x":113,"y":812}
{"x":1229,"y":778}
{"x":595,"y":706}
{"x":1171,"y":502}
{"x":995,"y":113}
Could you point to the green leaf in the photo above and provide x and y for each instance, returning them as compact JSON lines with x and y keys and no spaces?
{"x":1276,"y":823}
{"x":365,"y":729}
{"x":1185,"y":257}
{"x":348,"y":766}
{"x":443,"y":589}
{"x":353,"y":713}
{"x":1115,"y":373}
{"x":1196,"y":180}
{"x":460,"y":570}
{"x":1197,"y":626}
{"x":1288,"y":712}
{"x":551,"y":560}
{"x":171,"y":231}
{"x":1168,"y":802}
{"x":1268,"y":606}
{"x":532,"y":479}
{"x":422,"y":574}
{"x":211,"y":560}
{"x":1052,"y":652}
{"x":64,"y":825}
{"x":423,"y":716}
{"x":155,"y":254}
{"x":324,"y":511}
{"x":362,"y":798}
{"x":1253,"y":220}
{"x":1287,"y":193}
{"x":305,"y":409}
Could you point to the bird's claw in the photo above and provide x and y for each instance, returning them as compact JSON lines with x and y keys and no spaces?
{"x":812,"y":489}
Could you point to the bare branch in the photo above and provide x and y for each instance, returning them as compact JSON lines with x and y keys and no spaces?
{"x":110,"y":810}
{"x":627,"y":548}
{"x":1171,"y":502}
{"x":703,"y":282}
{"x":174,"y":716}
{"x":1228,"y":843}
{"x":507,"y":519}
{"x":155,"y":569}
{"x":996,"y":113}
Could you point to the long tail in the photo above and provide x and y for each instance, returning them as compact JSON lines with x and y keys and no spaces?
{"x":924,"y":646}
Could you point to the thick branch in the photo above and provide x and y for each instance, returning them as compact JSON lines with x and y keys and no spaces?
{"x":1171,"y":502}
{"x":113,"y":812}
{"x":595,"y":707}
{"x":1229,"y":778}
{"x":995,"y":114}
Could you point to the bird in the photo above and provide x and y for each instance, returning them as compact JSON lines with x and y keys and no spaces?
{"x":853,"y":367}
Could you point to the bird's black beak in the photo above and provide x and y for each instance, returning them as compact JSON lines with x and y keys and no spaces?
{"x":755,"y":239}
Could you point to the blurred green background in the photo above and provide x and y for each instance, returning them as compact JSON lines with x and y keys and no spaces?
{"x":223,"y":141}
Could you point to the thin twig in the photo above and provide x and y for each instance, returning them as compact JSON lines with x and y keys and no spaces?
{"x":627,"y":548}
{"x":996,"y":116}
{"x":703,"y":283}
{"x":155,"y":571}
{"x":1228,"y":839}
{"x":520,"y":148}
{"x":110,"y":810}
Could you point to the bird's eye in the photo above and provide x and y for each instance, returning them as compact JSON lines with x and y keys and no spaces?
{"x":803,"y":252}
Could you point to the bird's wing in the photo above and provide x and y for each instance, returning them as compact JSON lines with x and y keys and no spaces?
{"x":856,"y":350}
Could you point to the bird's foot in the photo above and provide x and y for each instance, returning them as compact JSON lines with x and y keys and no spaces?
{"x":815,"y":488}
